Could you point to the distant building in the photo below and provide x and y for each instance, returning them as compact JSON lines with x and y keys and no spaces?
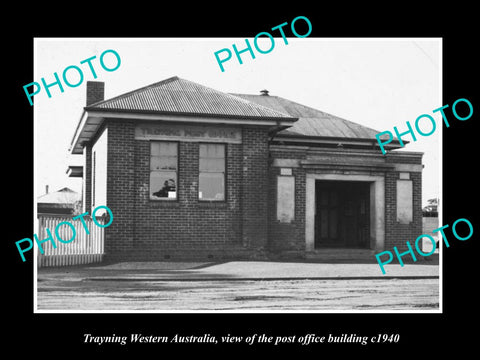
{"x":58,"y":202}
{"x":189,"y":171}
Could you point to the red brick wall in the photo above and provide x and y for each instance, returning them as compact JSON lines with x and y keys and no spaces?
{"x":254,"y":185}
{"x":146,"y":229}
{"x":119,"y":236}
{"x":186,"y":227}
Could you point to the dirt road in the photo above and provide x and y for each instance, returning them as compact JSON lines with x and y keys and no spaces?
{"x":245,"y":295}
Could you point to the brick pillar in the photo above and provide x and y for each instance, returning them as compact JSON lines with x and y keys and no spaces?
{"x":255,"y":188}
{"x":397,"y":234}
{"x":417,"y":204}
{"x":119,"y":236}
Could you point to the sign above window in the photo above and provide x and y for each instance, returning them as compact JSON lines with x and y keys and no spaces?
{"x":173,"y":132}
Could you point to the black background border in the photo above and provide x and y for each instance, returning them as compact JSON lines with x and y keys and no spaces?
{"x":429,"y":333}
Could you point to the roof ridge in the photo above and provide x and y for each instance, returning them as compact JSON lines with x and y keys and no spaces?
{"x":231,"y":95}
{"x":259,"y":107}
{"x":165,"y":81}
{"x":236,"y":95}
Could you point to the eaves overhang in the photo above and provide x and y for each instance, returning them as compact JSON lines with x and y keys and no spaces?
{"x":92,"y":119}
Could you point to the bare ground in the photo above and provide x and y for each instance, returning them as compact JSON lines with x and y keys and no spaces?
{"x":242,"y":295}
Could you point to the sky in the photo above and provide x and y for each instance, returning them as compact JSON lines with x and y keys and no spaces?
{"x":379,"y":83}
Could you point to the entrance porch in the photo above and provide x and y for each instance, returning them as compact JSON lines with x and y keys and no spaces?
{"x":344,"y":211}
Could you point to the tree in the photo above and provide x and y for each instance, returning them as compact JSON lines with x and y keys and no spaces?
{"x":432,"y":208}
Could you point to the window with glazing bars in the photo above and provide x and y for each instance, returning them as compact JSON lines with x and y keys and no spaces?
{"x":163,"y":170}
{"x":211,"y":184}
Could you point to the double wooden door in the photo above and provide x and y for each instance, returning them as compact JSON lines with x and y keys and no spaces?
{"x":342,"y":214}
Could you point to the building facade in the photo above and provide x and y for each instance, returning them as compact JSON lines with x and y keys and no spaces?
{"x":190,"y":172}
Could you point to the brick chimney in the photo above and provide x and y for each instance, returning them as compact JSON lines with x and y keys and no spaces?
{"x":95,"y":92}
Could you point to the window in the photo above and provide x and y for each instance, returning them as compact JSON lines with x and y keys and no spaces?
{"x":211,"y":184}
{"x":163,"y":170}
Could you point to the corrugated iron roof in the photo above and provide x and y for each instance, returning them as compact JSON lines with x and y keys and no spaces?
{"x":312,"y":122}
{"x":180,"y":96}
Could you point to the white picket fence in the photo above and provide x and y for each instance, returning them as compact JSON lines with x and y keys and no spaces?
{"x":84,"y":249}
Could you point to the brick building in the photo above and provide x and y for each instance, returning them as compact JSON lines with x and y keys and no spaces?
{"x":191,"y":172}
